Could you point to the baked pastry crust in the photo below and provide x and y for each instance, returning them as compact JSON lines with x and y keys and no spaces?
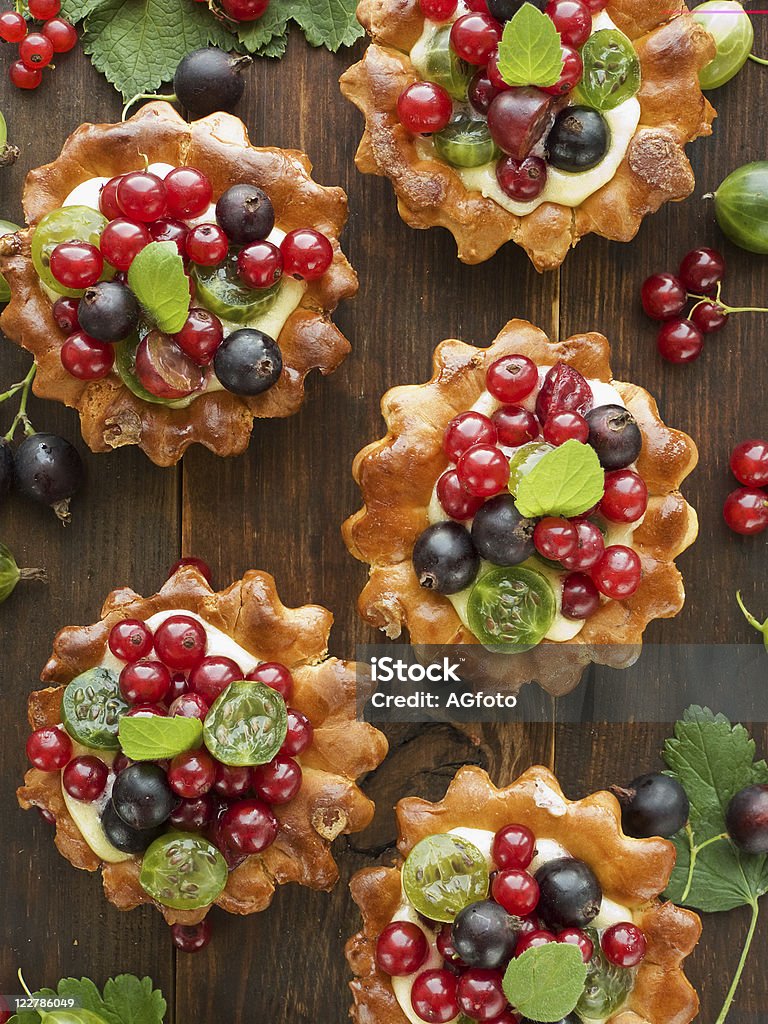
{"x":110,"y":415}
{"x":672,"y":49}
{"x":397,"y":475}
{"x":329,"y":802}
{"x":631,"y":871}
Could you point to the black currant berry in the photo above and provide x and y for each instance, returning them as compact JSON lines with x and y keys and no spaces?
{"x":578,"y":140}
{"x":246,"y":214}
{"x":500,"y":534}
{"x":142,"y":797}
{"x":445,"y":559}
{"x":747,"y":819}
{"x":6,"y":467}
{"x":504,"y":10}
{"x":485,"y":935}
{"x":652,"y":805}
{"x":570,"y":1018}
{"x":122,"y":836}
{"x":248,"y":362}
{"x":570,"y":894}
{"x":615,"y":436}
{"x":49,"y":470}
{"x":208,"y":80}
{"x":108,"y":311}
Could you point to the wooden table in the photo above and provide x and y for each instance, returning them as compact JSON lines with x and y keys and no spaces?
{"x":279,"y":507}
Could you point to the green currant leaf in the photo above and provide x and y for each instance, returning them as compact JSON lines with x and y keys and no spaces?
{"x":546,"y":982}
{"x":530,"y":51}
{"x":257,"y":36}
{"x":158,"y":281}
{"x":330,"y":23}
{"x":76,"y":10}
{"x":566,"y":482}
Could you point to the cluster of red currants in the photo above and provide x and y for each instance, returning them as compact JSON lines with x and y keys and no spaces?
{"x":746,"y":508}
{"x":37,"y":48}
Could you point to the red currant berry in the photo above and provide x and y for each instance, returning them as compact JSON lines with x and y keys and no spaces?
{"x":571,"y":74}
{"x":249,"y":826}
{"x":516,"y":891}
{"x":49,"y":748}
{"x":483,"y":470}
{"x":680,"y":341}
{"x":141,"y":196}
{"x":617,"y":574}
{"x":478,"y":5}
{"x":192,"y":774}
{"x":482,"y":92}
{"x":23,"y":77}
{"x":191,"y":938}
{"x":260,"y":264}
{"x":515,"y":425}
{"x":62,"y":34}
{"x":277,"y":782}
{"x":146,"y":710}
{"x":50,"y":819}
{"x":576,"y":937}
{"x":424,"y":107}
{"x":702,"y":270}
{"x":108,"y":199}
{"x":121,"y":762}
{"x":749,"y":463}
{"x":274,"y":675}
{"x":76,"y":264}
{"x":231,"y":781}
{"x":708,"y":317}
{"x":193,"y":815}
{"x":212,"y":676}
{"x":130,"y":640}
{"x":464,"y":431}
{"x":480,"y":995}
{"x":494,"y":74}
{"x":194,"y":563}
{"x":437,"y":10}
{"x":625,"y":498}
{"x":188,"y":705}
{"x":207,"y":245}
{"x":166,"y":230}
{"x":596,"y":5}
{"x":513,"y":847}
{"x":573,"y":20}
{"x":188,"y":192}
{"x":623,"y":944}
{"x":42,"y":10}
{"x":65,"y":314}
{"x":521,"y":180}
{"x":433,"y":997}
{"x":201,"y":336}
{"x":13,"y":27}
{"x":590,"y":546}
{"x":445,"y":948}
{"x":178,"y":687}
{"x":84,"y":778}
{"x":663,"y":296}
{"x":145,"y":682}
{"x":474,"y":37}
{"x":36,"y":51}
{"x":181,"y":642}
{"x":454,"y":500}
{"x":746,"y":510}
{"x":512,"y":378}
{"x":532,"y":940}
{"x":85,"y":357}
{"x":245,"y":10}
{"x":401,"y":948}
{"x":580,"y":597}
{"x":299,"y":735}
{"x":562,"y":425}
{"x":307,"y":254}
{"x":555,"y":538}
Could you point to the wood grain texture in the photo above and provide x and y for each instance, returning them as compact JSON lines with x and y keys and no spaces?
{"x":279,"y":507}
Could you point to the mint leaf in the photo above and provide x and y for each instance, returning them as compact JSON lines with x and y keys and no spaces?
{"x":565,"y":482}
{"x":158,"y":281}
{"x":149,"y":737}
{"x":529,"y":51}
{"x":546,"y":982}
{"x":330,"y":23}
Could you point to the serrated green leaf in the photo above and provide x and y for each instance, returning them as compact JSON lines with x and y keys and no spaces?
{"x":76,"y":10}
{"x":258,"y":35}
{"x":530,"y":50}
{"x":151,"y":737}
{"x":546,"y":982}
{"x":157,"y":279}
{"x":331,"y":23}
{"x":566,"y":481}
{"x":275,"y":48}
{"x":134,"y":1000}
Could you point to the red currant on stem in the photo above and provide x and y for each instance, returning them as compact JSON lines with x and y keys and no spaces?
{"x":36,"y":50}
{"x":13,"y":26}
{"x":274,"y":675}
{"x":42,"y":10}
{"x":207,"y":245}
{"x":454,"y":499}
{"x":663,"y":296}
{"x":49,"y":748}
{"x":749,"y":463}
{"x":708,"y":316}
{"x":438,"y":10}
{"x":464,"y":431}
{"x":401,"y":948}
{"x":62,"y":34}
{"x":424,"y":107}
{"x":85,"y":357}
{"x":746,"y":510}
{"x":130,"y":640}
{"x":23,"y":77}
{"x":483,"y":470}
{"x":680,"y":341}
{"x":474,"y":37}
{"x":307,"y":254}
{"x":701,"y":270}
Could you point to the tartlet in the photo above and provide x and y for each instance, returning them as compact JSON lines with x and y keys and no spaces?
{"x":632,"y":874}
{"x":113,"y":415}
{"x":671,"y":49}
{"x":398,"y":477}
{"x":328,"y":803}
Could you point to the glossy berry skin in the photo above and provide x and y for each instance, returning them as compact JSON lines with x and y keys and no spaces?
{"x":178,"y":687}
{"x":122,"y":240}
{"x":307,"y":254}
{"x":555,"y":538}
{"x":444,"y":946}
{"x":192,"y":774}
{"x":481,"y":92}
{"x":76,"y":264}
{"x":142,"y":797}
{"x":246,"y":214}
{"x":260,"y":264}
{"x":521,"y":180}
{"x":201,"y":336}
{"x":573,"y":20}
{"x":513,"y":847}
{"x":145,"y":682}
{"x":108,"y":311}
{"x":515,"y":425}
{"x":212,"y":676}
{"x":517,"y":118}
{"x":493,"y":73}
{"x":65,"y":314}
{"x":580,"y":597}
{"x":84,"y":778}
{"x":485,"y":935}
{"x":181,"y":642}
{"x":141,"y":196}
{"x":47,"y":468}
{"x":23,"y":77}
{"x":189,"y":705}
{"x":589,"y":546}
{"x":701,"y":270}
{"x":86,"y":358}
{"x":625,"y":498}
{"x":193,"y":815}
{"x":474,"y":37}
{"x":617,"y":575}
{"x":516,"y":891}
{"x":191,"y":938}
{"x":480,"y":994}
{"x":232,"y":781}
{"x":209,"y":79}
{"x":144,"y":710}
{"x":615,"y":436}
{"x":454,"y":500}
{"x":433,"y":997}
{"x":444,"y":558}
{"x":708,"y":317}
{"x":195,"y":563}
{"x":278,"y":781}
{"x":167,"y":230}
{"x":746,"y":511}
{"x":49,"y":748}
{"x":130,"y":640}
{"x":749,"y":463}
{"x":464,"y":431}
{"x":62,"y":34}
{"x":623,"y":944}
{"x":747,"y":819}
{"x":401,"y":949}
{"x":248,"y":362}
{"x":108,"y":199}
{"x":511,"y":378}
{"x":188,"y":192}
{"x":13,"y":27}
{"x":122,"y":836}
{"x":274,"y":675}
{"x":562,"y":425}
{"x":570,"y":894}
{"x":680,"y":341}
{"x":42,"y":10}
{"x":438,"y":10}
{"x":563,"y":388}
{"x":576,"y":937}
{"x":534,"y":939}
{"x":245,"y":10}
{"x":300,"y":733}
{"x":663,"y":296}
{"x":483,"y":470}
{"x":206,"y":245}
{"x":424,"y":107}
{"x":500,"y":534}
{"x":36,"y":50}
{"x":249,"y":826}
{"x":571,"y":74}
{"x":653,"y":805}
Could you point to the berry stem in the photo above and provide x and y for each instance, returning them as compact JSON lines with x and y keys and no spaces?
{"x":695,"y":851}
{"x":168,"y":97}
{"x":717,"y":301}
{"x":758,"y":60}
{"x":761,"y":627}
{"x":742,"y":962}
{"x":21,"y":416}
